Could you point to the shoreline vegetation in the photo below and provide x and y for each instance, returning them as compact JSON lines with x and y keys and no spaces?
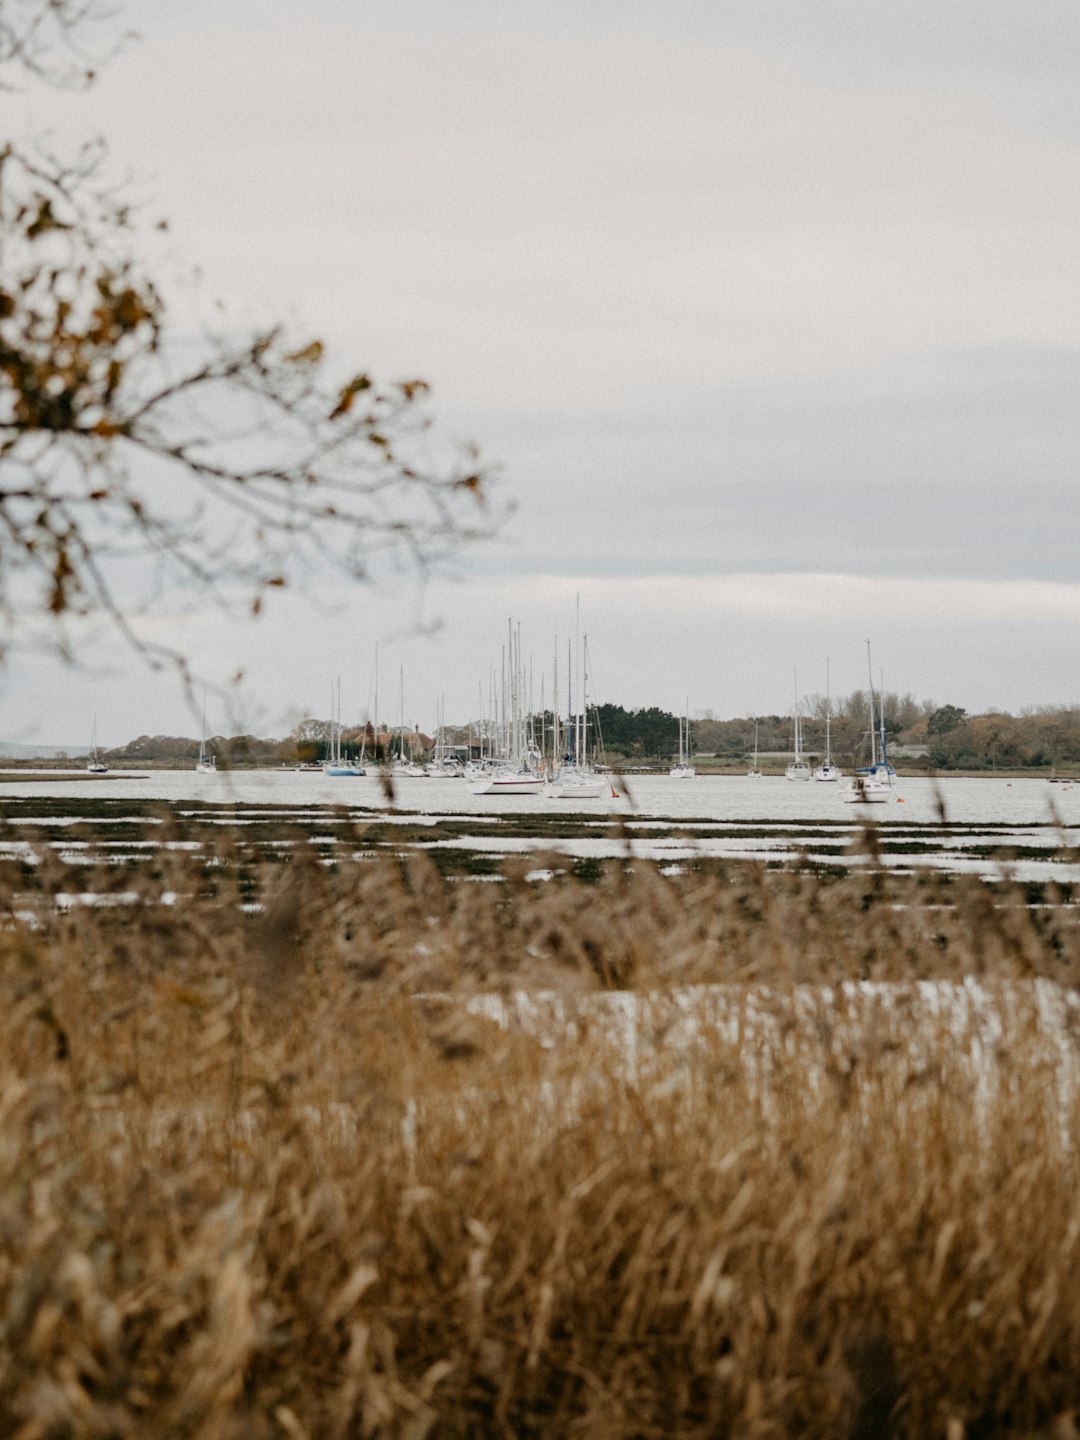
{"x":922,"y":739}
{"x":296,"y":1144}
{"x":707,"y":766}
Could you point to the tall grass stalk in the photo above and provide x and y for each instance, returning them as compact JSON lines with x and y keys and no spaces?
{"x":401,"y":1157}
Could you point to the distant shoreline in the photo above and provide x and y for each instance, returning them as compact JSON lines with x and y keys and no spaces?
{"x":18,"y":772}
{"x":29,"y":772}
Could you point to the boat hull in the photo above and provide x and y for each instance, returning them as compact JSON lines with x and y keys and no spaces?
{"x":585,"y":790}
{"x":510,"y":785}
{"x":867,"y":792}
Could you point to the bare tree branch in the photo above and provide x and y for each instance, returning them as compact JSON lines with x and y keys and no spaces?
{"x":244,"y":469}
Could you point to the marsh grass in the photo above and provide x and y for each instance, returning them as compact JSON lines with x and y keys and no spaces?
{"x":392,"y":1154}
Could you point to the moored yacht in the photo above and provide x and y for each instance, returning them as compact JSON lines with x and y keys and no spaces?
{"x":207,"y":762}
{"x":827,"y":771}
{"x":682,"y":769}
{"x":95,"y":765}
{"x":798,"y":769}
{"x":873,"y":783}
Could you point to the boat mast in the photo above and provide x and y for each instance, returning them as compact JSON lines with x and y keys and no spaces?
{"x":796,"y":727}
{"x":873,"y":733}
{"x":555,"y":710}
{"x":570,"y":729}
{"x":579,"y":730}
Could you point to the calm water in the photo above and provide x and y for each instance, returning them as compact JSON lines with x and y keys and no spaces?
{"x":992,"y":802}
{"x":1030,"y":826}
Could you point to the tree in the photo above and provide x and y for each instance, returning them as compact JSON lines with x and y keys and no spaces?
{"x":311,"y":740}
{"x":944,"y":719}
{"x":242,"y":472}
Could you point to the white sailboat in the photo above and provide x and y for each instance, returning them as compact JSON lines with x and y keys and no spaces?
{"x":754,"y":773}
{"x":872,"y":785}
{"x":405,"y":767}
{"x":95,"y":765}
{"x":863,"y":790}
{"x":683,"y":770}
{"x":207,"y":762}
{"x":574,"y":776}
{"x":446,"y":762}
{"x":517,"y":772}
{"x":798,"y":769}
{"x":337,"y":764}
{"x":827,"y":771}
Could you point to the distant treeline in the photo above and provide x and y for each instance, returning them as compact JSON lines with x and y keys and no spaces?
{"x":944,"y":737}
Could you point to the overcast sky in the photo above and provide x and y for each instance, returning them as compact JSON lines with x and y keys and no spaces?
{"x":768,"y":313}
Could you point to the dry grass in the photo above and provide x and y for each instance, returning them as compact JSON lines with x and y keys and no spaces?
{"x":297,"y":1174}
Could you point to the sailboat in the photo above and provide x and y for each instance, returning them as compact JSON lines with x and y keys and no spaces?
{"x":336,"y":764}
{"x":574,"y":778}
{"x":872,"y":785}
{"x":683,"y":770}
{"x":446,"y":763}
{"x":402,"y":766}
{"x":754,"y":773}
{"x":95,"y":765}
{"x":798,"y":769}
{"x":207,"y":762}
{"x":827,"y":770}
{"x":517,"y":771}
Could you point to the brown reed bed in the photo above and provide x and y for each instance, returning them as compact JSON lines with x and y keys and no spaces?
{"x":394,"y":1155}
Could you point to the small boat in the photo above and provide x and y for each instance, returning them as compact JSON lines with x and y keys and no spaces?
{"x":864,"y":790}
{"x":207,"y":762}
{"x":510,"y":782}
{"x":404,"y":768}
{"x":95,"y":765}
{"x":337,"y":765}
{"x":879,"y":768}
{"x":586,"y":786}
{"x":873,"y":783}
{"x":683,"y":770}
{"x":343,"y":768}
{"x":574,"y":775}
{"x":446,"y":763}
{"x":798,"y":769}
{"x":827,"y":771}
{"x":754,"y":773}
{"x":519,"y":768}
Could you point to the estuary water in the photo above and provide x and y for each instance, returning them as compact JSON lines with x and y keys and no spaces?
{"x":918,"y":801}
{"x":1029,"y":829}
